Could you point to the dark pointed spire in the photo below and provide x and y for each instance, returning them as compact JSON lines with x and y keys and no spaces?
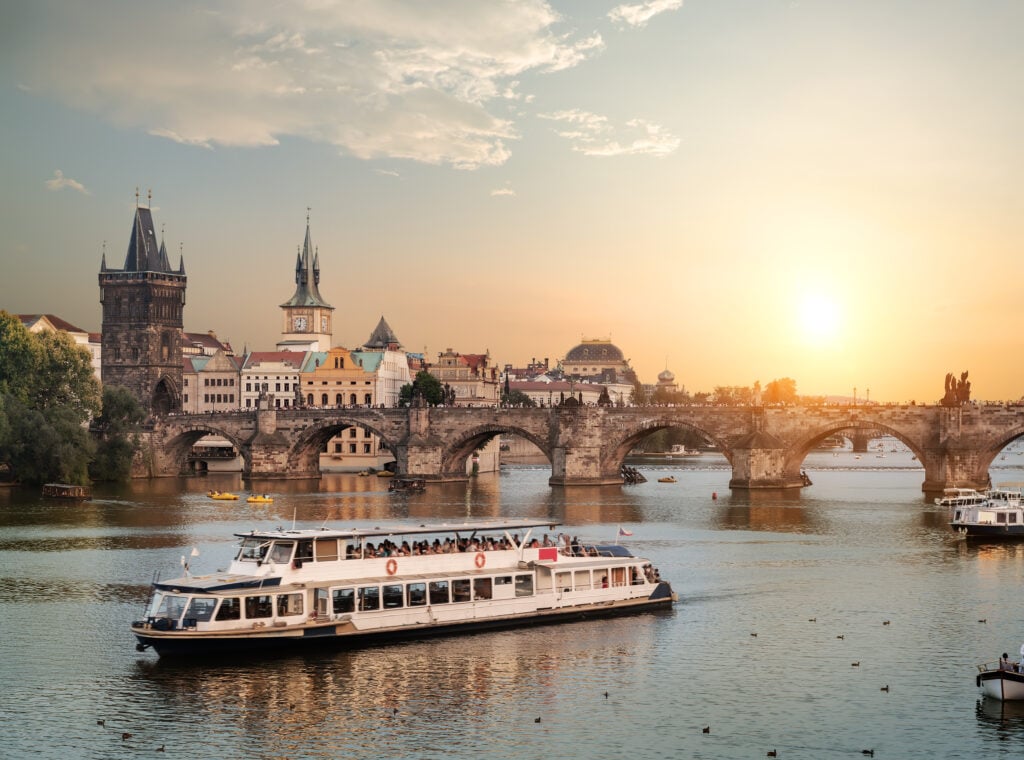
{"x":143,"y":251}
{"x":307,"y":276}
{"x":181,"y":258}
{"x":382,"y":336}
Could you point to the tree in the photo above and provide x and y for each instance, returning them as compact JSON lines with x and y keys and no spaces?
{"x":517,"y":398}
{"x":117,"y":429}
{"x":47,"y":395}
{"x":427,"y":385}
{"x":781,"y":391}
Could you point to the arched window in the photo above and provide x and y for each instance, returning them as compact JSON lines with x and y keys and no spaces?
{"x":352,"y":399}
{"x":323,"y":400}
{"x":368,"y":399}
{"x":339,"y":400}
{"x":309,"y":399}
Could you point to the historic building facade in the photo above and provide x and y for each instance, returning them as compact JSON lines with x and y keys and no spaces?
{"x":470,"y":376}
{"x":143,"y":305}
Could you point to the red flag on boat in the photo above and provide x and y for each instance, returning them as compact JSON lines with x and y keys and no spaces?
{"x":624,"y":532}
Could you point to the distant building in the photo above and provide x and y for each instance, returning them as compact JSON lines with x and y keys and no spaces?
{"x":382,"y":355}
{"x":553,"y":392}
{"x":203,"y":344}
{"x":274,"y":373}
{"x":475,"y":382}
{"x":667,"y":382}
{"x":36,"y":323}
{"x":143,"y":305}
{"x":307,"y":317}
{"x":211,"y":383}
{"x":601,"y":362}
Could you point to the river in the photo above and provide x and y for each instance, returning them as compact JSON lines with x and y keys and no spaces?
{"x":795,"y":612}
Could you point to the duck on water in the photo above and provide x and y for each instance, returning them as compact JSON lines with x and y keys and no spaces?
{"x":295,"y":589}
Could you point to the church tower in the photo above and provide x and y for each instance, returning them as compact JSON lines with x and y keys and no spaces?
{"x":307,"y":316}
{"x":143,"y":304}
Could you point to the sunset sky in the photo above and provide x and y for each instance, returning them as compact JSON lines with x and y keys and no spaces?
{"x":738,"y":190}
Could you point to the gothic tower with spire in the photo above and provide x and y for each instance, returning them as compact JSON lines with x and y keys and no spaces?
{"x":307,"y":316}
{"x":143,"y":305}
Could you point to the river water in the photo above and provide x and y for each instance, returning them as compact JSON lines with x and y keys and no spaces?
{"x":779,"y":597}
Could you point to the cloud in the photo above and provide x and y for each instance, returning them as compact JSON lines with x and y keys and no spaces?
{"x":59,"y":182}
{"x":592,"y":135}
{"x":387,"y":172}
{"x":641,"y":13}
{"x":380,"y":78}
{"x":503,"y":191}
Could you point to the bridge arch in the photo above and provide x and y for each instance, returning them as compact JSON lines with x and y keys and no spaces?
{"x":987,"y":455}
{"x":457,"y":452}
{"x":631,"y":435}
{"x":800,"y":448}
{"x":304,"y":454}
{"x":178,"y":447}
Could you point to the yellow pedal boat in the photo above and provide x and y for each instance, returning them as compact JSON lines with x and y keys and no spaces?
{"x":222,"y":495}
{"x":264,"y":499}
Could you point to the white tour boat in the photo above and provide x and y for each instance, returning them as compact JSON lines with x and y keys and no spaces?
{"x":960,"y":497}
{"x":1000,"y":516}
{"x":293,"y":589}
{"x":1002,"y":682}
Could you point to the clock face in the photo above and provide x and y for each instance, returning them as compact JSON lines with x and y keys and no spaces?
{"x":323,"y":324}
{"x":300,"y":323}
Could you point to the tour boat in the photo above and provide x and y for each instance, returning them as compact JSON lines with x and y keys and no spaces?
{"x":257,"y":499}
{"x":960,"y":497}
{"x":222,"y":495}
{"x":295,"y":589}
{"x":1002,"y":683}
{"x":1000,"y":516}
{"x":407,"y":484}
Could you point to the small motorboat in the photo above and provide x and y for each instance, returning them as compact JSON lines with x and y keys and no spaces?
{"x":669,"y":479}
{"x":1001,"y":682}
{"x":222,"y":495}
{"x":260,"y":499}
{"x":385,"y":474}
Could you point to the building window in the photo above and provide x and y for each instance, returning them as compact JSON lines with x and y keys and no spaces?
{"x":323,"y":400}
{"x":368,"y":399}
{"x":352,"y":399}
{"x":351,"y":432}
{"x":277,"y":387}
{"x":367,"y":434}
{"x":366,"y":448}
{"x":339,"y":399}
{"x":351,"y":448}
{"x":337,"y":448}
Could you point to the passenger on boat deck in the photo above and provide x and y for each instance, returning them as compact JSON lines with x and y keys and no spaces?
{"x":604,"y":581}
{"x":1004,"y":662}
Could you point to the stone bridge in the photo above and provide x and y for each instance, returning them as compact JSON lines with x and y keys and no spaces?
{"x":765,"y":446}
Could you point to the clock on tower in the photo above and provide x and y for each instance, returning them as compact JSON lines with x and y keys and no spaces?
{"x":300,"y":324}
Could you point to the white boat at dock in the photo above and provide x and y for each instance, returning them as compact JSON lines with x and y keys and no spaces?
{"x":999,"y":517}
{"x":960,"y":497}
{"x":296,"y":589}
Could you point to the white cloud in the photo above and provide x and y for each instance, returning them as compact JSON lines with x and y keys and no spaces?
{"x":387,"y":172}
{"x":59,"y":182}
{"x":592,"y":135}
{"x":376,"y":78}
{"x":640,"y":13}
{"x":503,"y":191}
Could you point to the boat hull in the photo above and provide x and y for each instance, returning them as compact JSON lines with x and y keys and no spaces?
{"x":1003,"y":685}
{"x":346,"y":636}
{"x":990,"y":532}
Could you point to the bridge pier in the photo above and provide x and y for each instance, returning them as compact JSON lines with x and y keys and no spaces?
{"x":953,"y":468}
{"x":759,"y":462}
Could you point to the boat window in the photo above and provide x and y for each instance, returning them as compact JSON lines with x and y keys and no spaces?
{"x":619,"y":576}
{"x":369,"y":598}
{"x":289,"y":604}
{"x":460,"y":590}
{"x":230,"y":609}
{"x":482,"y":588}
{"x":439,"y":592}
{"x":171,"y":606}
{"x":392,"y":596}
{"x":1000,"y":517}
{"x":259,"y":606}
{"x":1013,"y":517}
{"x":326,"y":549}
{"x":582,"y":579}
{"x":503,"y":580}
{"x":281,"y":553}
{"x":563,"y":581}
{"x":417,"y":594}
{"x":200,"y":609}
{"x":524,"y":585}
{"x":958,"y":515}
{"x":253,"y":550}
{"x":344,"y":600}
{"x":305,"y":552}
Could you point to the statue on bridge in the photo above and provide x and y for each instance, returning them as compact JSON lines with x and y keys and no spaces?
{"x":958,"y":392}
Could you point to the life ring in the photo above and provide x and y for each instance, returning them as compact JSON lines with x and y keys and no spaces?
{"x":481,"y":559}
{"x":391,"y":566}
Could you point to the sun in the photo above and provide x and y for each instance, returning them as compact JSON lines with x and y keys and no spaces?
{"x":819,"y":318}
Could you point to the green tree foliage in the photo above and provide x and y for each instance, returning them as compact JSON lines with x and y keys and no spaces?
{"x":517,"y":398}
{"x":117,"y":429}
{"x":47,"y":395}
{"x":428,"y":385}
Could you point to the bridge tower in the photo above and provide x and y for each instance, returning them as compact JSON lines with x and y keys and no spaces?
{"x":143,"y":305}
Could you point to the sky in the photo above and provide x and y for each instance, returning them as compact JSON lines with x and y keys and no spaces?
{"x":735,"y":190}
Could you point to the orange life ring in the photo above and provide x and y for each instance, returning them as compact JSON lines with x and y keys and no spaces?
{"x":481,"y":559}
{"x":391,"y":566}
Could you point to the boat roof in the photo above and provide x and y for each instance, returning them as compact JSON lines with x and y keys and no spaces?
{"x":400,"y":530}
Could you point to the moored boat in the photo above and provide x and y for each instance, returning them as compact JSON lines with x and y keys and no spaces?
{"x":999,"y":517}
{"x":260,"y":499}
{"x":66,"y":491}
{"x":295,"y":589}
{"x":408,"y":484}
{"x":669,"y":479}
{"x":1002,"y":681}
{"x":960,"y":497}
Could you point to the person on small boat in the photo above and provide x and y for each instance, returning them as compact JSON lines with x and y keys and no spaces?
{"x":1004,"y":662}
